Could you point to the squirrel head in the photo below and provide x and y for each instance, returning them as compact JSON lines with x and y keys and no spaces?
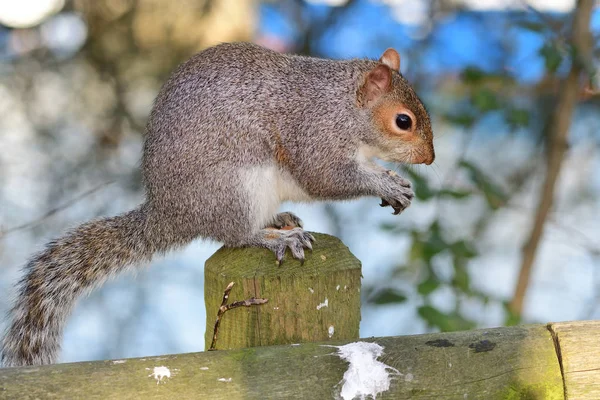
{"x":403,"y":127}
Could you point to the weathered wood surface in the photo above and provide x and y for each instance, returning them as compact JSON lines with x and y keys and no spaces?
{"x":502,"y":363}
{"x":314,"y":302}
{"x":578,"y":344}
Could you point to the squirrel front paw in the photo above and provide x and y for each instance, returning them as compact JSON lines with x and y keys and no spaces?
{"x":295,"y":239}
{"x":399,"y":196}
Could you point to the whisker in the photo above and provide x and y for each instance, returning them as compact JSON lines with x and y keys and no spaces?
{"x":435,"y":171}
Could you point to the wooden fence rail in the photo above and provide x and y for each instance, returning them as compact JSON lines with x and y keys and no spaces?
{"x":553,"y":361}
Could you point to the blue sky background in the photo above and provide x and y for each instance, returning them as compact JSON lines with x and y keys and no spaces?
{"x":464,"y":38}
{"x":160,"y":309}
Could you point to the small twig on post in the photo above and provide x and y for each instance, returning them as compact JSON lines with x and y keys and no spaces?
{"x":226,"y":307}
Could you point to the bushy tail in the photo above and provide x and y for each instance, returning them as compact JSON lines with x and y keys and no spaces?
{"x":68,"y":268}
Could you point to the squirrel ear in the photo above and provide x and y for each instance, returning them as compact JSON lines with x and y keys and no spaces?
{"x":377,"y":83}
{"x":391,"y":58}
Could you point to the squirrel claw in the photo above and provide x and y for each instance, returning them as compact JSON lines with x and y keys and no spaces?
{"x":397,"y":205}
{"x":294,"y":239}
{"x":307,"y":240}
{"x":279,"y":253}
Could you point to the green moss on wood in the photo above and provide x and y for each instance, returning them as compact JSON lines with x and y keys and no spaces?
{"x":522,"y":365}
{"x":295,"y":312}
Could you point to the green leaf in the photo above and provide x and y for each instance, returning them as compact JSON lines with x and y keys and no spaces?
{"x":367,"y":291}
{"x":435,"y":242}
{"x":463,"y":249}
{"x":386,"y":226}
{"x":493,"y":194}
{"x":420,"y":185}
{"x":463,"y":119}
{"x":472,"y":75}
{"x":428,"y":286}
{"x":552,"y":57}
{"x":485,"y":100}
{"x":416,"y":250}
{"x":457,"y":194}
{"x":394,"y":227}
{"x":485,"y":299}
{"x":445,"y":322}
{"x":426,"y":246}
{"x":517,"y":117}
{"x":400,"y":271}
{"x":387,"y":296}
{"x":432,"y":316}
{"x":511,"y":317}
{"x":461,"y":279}
{"x":532,"y":26}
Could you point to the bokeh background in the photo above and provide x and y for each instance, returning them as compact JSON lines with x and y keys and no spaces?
{"x":77,"y":80}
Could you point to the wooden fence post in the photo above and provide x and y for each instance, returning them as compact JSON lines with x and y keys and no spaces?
{"x":314,"y":302}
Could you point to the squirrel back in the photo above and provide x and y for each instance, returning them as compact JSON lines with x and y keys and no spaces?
{"x":235,"y":131}
{"x":255,"y":95}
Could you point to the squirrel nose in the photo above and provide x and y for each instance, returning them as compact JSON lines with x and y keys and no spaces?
{"x":426,"y":159}
{"x":430,"y":158}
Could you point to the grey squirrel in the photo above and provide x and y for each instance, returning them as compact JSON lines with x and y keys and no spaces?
{"x":236,"y":130}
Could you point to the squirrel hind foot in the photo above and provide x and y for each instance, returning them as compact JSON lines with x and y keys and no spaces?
{"x":278,"y":241}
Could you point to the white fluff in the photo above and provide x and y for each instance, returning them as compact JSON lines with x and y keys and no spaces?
{"x":160,"y":373}
{"x":323,"y":304}
{"x":365,"y":375}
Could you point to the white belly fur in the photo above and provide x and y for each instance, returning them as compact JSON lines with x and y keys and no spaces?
{"x":267,"y":188}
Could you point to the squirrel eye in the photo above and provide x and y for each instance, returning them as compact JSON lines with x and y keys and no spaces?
{"x":403,"y":122}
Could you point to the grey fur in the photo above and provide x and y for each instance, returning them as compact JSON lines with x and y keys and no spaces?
{"x":236,"y":130}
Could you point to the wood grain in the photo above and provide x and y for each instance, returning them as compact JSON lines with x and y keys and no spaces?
{"x":578,"y":344}
{"x":314,"y":302}
{"x":501,"y":363}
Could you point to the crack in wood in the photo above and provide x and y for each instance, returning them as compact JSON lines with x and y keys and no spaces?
{"x":557,"y":349}
{"x":258,"y":330}
{"x":583,"y":370}
{"x":491,"y":376}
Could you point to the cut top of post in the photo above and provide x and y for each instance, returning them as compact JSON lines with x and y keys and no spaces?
{"x":329,"y":254}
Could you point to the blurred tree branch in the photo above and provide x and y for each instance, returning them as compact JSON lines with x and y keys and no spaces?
{"x":558,"y":133}
{"x":131,"y":47}
{"x":54,"y":211}
{"x":312,"y":31}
